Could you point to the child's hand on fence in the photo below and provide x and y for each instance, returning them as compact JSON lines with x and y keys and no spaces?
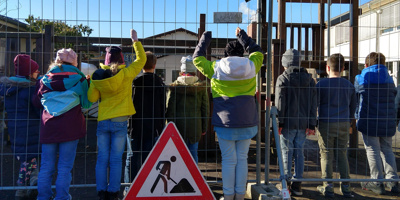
{"x":134,"y":35}
{"x":310,"y":132}
{"x":203,"y":133}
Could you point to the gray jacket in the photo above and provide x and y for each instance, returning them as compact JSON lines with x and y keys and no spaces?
{"x":296,"y":99}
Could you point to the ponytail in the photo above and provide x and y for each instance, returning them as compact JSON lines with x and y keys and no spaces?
{"x":114,"y":68}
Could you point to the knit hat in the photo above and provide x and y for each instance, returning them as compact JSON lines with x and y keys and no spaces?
{"x":67,"y":55}
{"x":24,"y":65}
{"x":234,"y":48}
{"x":291,"y":58}
{"x":114,"y":55}
{"x":187,"y":64}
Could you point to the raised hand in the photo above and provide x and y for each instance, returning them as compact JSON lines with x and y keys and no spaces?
{"x":134,"y":35}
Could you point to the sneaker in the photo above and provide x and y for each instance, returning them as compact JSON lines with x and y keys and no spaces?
{"x":295,"y":188}
{"x":393,"y":187}
{"x":375,"y":188}
{"x":103,"y":195}
{"x":326,"y":190}
{"x":33,"y":193}
{"x":346,"y":191}
{"x":113,"y":195}
{"x":20,"y":195}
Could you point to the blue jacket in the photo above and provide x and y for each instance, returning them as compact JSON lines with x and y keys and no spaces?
{"x":23,"y":119}
{"x":376,"y":113}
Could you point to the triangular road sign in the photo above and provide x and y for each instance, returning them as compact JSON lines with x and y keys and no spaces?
{"x":170,"y":172}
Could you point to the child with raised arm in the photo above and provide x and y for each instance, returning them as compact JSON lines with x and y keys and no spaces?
{"x":112,"y":85}
{"x":235,"y":117}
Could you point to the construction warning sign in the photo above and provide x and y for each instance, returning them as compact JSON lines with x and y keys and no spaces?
{"x":169,"y":172}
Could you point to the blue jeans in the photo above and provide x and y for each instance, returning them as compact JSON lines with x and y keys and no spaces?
{"x":193,"y":150}
{"x":67,"y":152}
{"x":380,"y":157}
{"x":234,"y":165}
{"x":292,"y":144}
{"x":137,"y":152}
{"x":111,"y":139}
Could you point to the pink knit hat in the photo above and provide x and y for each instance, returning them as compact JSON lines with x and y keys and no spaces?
{"x":24,"y":65}
{"x":67,"y":55}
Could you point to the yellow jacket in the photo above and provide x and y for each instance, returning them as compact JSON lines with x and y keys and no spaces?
{"x":115,"y":93}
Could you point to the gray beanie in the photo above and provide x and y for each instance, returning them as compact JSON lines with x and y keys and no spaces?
{"x":291,"y":58}
{"x":187,"y":64}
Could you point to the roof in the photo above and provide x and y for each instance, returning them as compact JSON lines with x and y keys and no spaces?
{"x":172,"y":32}
{"x":11,"y":21}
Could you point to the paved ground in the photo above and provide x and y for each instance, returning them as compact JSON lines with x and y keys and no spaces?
{"x":83,"y":172}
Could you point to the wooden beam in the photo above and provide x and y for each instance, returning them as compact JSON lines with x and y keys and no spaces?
{"x":299,"y":39}
{"x":291,"y":37}
{"x":281,"y":20}
{"x":306,"y":43}
{"x":48,"y":49}
{"x":156,"y":50}
{"x":321,"y":41}
{"x":354,"y":65}
{"x":318,"y":1}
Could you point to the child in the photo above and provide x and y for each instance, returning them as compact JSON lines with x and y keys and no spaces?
{"x":148,"y":122}
{"x":188,"y":105}
{"x":23,"y":120}
{"x":376,"y":120}
{"x":62,"y":93}
{"x":336,"y":102}
{"x":112,"y":85}
{"x":235,"y":117}
{"x":295,"y":99}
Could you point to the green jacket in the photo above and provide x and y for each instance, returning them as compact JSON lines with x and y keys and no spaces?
{"x":187,"y":107}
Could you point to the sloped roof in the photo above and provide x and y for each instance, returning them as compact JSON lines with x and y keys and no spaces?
{"x":8,"y":20}
{"x":172,"y":32}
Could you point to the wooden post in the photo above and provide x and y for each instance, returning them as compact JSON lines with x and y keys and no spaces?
{"x":208,"y":141}
{"x":299,"y":39}
{"x":321,"y":41}
{"x":291,"y":37}
{"x":278,"y":48}
{"x":281,"y":20}
{"x":48,"y":46}
{"x":354,"y":65}
{"x":306,"y":43}
{"x":39,"y":55}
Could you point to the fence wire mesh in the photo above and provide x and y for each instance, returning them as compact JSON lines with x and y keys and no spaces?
{"x":171,"y":29}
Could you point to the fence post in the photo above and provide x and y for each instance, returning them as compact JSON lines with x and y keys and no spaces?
{"x":48,"y":47}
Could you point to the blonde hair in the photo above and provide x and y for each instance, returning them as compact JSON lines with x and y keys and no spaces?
{"x":114,"y":68}
{"x":58,"y":64}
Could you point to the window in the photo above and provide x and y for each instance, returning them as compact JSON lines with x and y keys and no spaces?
{"x":161,"y":73}
{"x":175,"y":74}
{"x":387,"y":30}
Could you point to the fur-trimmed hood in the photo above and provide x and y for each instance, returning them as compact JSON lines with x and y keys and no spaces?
{"x":181,"y":85}
{"x":13,"y":84}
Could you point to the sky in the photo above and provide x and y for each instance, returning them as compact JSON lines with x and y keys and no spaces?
{"x":114,"y":18}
